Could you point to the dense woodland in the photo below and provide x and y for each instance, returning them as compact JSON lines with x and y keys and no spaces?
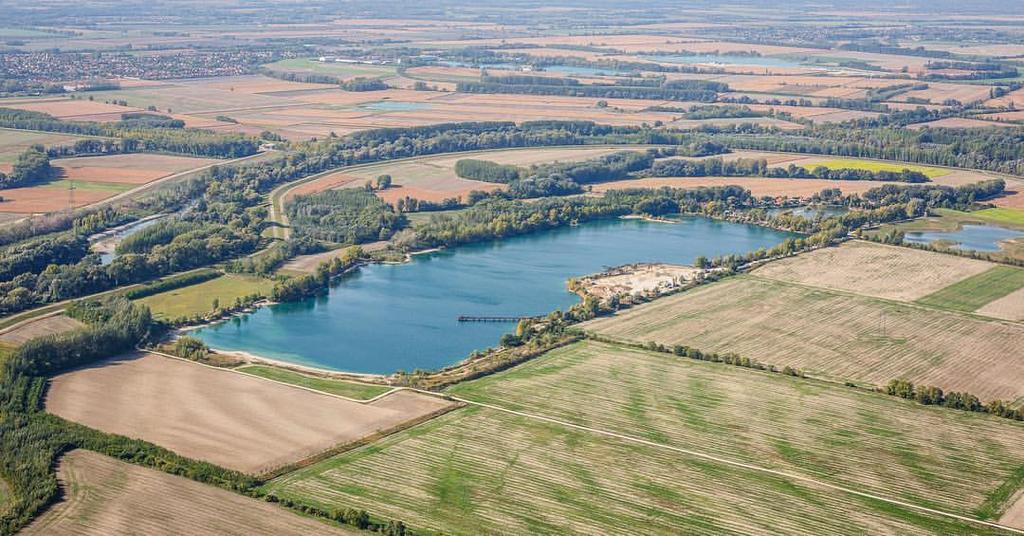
{"x":345,"y":216}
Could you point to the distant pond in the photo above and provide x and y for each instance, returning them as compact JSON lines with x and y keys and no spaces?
{"x":971,"y":237}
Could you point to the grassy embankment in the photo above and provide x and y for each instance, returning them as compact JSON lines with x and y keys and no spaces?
{"x":358,"y":391}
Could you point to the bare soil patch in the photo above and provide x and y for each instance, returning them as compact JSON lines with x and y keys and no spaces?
{"x":47,"y":325}
{"x":876,"y":270}
{"x":234,"y":420}
{"x":107,"y":496}
{"x":1014,"y":515}
{"x":637,"y":279}
{"x":36,"y":199}
{"x":308,"y":263}
{"x":1009,"y":307}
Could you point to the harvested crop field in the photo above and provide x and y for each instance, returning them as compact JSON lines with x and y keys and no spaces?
{"x":433,"y":178}
{"x":853,"y":438}
{"x":959,"y":122}
{"x":1009,"y":307}
{"x":758,"y":186}
{"x":39,"y":199}
{"x":69,"y":109}
{"x":95,"y":178}
{"x":135,"y":168}
{"x":15,"y":142}
{"x":479,"y":470}
{"x":107,"y":496}
{"x":38,"y":327}
{"x":877,"y":270}
{"x":234,"y":420}
{"x":833,"y":335}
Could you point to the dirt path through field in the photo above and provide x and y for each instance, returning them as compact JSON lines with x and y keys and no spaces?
{"x":742,"y":465}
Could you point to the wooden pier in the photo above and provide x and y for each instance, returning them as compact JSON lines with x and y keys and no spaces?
{"x":472,"y":318}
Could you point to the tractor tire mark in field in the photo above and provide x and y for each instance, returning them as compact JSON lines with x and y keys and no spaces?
{"x":726,"y":461}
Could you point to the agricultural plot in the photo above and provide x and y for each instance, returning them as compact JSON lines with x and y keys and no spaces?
{"x":478,"y":470}
{"x":15,"y":142}
{"x":343,"y":71}
{"x":433,"y":178}
{"x":973,"y":293}
{"x":876,"y":270}
{"x":107,"y":496}
{"x":873,"y":165}
{"x":853,"y":438}
{"x":198,"y":299}
{"x":960,"y":122}
{"x":234,"y":420}
{"x":1009,"y":307}
{"x":94,"y":179}
{"x":70,"y":109}
{"x":833,"y":335}
{"x":38,"y":327}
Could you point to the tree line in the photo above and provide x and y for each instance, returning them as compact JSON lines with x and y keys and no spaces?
{"x":930,"y":395}
{"x":132,"y":135}
{"x":758,"y":167}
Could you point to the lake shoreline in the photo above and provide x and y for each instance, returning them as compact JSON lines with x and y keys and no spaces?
{"x":397,"y":319}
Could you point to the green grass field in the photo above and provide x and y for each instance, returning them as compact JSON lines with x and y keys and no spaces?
{"x":198,"y":299}
{"x":15,"y":142}
{"x":1011,"y":217}
{"x":113,"y":187}
{"x":359,"y":391}
{"x":6,"y":350}
{"x":341,"y":70}
{"x":480,"y":470}
{"x":872,"y":165}
{"x":5,"y":495}
{"x":974,"y":292}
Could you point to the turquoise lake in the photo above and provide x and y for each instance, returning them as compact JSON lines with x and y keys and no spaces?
{"x":384,"y":318}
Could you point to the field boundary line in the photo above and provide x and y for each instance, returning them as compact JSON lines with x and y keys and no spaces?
{"x":910,"y":304}
{"x":304,"y":388}
{"x":726,"y":461}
